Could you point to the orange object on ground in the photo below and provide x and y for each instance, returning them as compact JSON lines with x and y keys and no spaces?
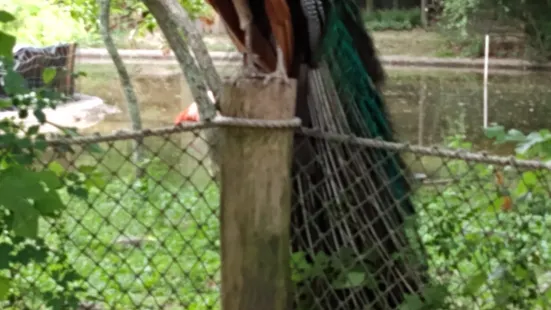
{"x":189,"y":114}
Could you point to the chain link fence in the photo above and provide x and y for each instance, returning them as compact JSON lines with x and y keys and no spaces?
{"x":133,"y":235}
{"x":481,"y":221}
{"x":146,"y":235}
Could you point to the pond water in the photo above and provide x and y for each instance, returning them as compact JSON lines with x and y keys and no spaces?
{"x":426,"y":105}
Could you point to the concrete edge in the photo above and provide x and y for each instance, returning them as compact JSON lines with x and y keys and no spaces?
{"x":392,"y":60}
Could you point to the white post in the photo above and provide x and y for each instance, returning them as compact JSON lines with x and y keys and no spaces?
{"x":486,"y":59}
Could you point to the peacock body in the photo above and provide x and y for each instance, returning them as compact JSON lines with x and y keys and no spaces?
{"x":349,"y":202}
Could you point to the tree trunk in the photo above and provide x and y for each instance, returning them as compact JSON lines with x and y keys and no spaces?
{"x":424,"y":17}
{"x":195,"y":63}
{"x":126,"y":83}
{"x":180,"y":31}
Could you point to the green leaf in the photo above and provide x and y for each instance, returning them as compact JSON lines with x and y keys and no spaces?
{"x":7,"y":42}
{"x":80,"y":192}
{"x":5,"y":252}
{"x":521,"y":189}
{"x":531,"y":140}
{"x":496,"y":132}
{"x":25,"y":223}
{"x":56,"y":168}
{"x":412,"y":302}
{"x":31,"y":253}
{"x":353,"y":279}
{"x":22,"y":192}
{"x":436,"y":294}
{"x":6,"y":102}
{"x":33,"y":130}
{"x":14,"y":83}
{"x":475,"y":283}
{"x":20,"y":183}
{"x":49,"y":204}
{"x":6,"y":17}
{"x":5,"y":284}
{"x":530,"y":178}
{"x":48,"y":75}
{"x":515,"y":135}
{"x":86,"y":169}
{"x":96,"y":180}
{"x":40,"y":116}
{"x":496,"y":205}
{"x":49,"y":178}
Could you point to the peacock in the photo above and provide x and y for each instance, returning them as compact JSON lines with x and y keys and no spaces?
{"x":349,"y":202}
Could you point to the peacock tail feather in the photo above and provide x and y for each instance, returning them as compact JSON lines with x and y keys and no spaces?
{"x":365,"y":110}
{"x":355,"y":198}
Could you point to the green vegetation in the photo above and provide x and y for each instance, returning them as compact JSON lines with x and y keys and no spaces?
{"x":393,"y":20}
{"x":527,"y":22}
{"x":485,"y":232}
{"x":78,"y":226}
{"x":151,"y":241}
{"x":147,"y":242}
{"x":29,"y":195}
{"x":135,"y":243}
{"x":41,"y":23}
{"x":519,"y":29}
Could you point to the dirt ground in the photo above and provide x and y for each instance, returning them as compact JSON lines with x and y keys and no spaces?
{"x":416,"y":42}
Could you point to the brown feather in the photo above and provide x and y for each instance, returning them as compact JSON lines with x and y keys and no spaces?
{"x":266,"y":54}
{"x":279,"y":16}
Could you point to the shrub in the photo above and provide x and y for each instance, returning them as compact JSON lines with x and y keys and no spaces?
{"x":29,"y":196}
{"x":393,"y":19}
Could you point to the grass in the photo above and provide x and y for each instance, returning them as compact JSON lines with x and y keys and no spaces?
{"x":415,"y":42}
{"x":158,"y":234}
{"x":153,"y":242}
{"x":145,"y":243}
{"x":158,"y":245}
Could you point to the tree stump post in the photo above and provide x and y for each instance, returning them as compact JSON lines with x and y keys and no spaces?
{"x":256,"y":197}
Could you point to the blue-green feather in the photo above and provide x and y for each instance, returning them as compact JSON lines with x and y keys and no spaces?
{"x":366,"y":115}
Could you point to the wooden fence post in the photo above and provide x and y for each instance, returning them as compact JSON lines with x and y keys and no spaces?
{"x":256,"y":197}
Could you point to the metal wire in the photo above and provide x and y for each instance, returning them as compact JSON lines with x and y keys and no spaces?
{"x":145,"y":234}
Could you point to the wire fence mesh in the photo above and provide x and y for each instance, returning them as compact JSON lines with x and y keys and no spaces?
{"x":480,"y":220}
{"x":133,"y":236}
{"x":51,"y":66}
{"x":146,"y":236}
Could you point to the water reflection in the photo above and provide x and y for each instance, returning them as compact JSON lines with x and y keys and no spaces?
{"x":426,"y":105}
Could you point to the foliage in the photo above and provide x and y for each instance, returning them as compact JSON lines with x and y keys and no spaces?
{"x":29,"y":196}
{"x":142,"y":244}
{"x":40,"y":23}
{"x":126,"y":15}
{"x":530,"y":17}
{"x":467,"y":21}
{"x":55,"y":257}
{"x":48,"y":22}
{"x":486,"y":232}
{"x":393,"y":19}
